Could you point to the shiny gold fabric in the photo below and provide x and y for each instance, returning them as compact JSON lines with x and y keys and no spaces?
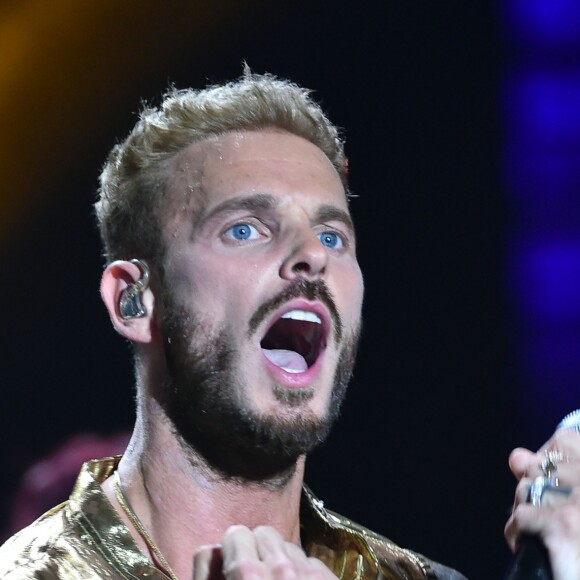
{"x":84,"y":538}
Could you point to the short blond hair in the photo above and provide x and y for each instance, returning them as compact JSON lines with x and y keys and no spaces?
{"x":135,"y":176}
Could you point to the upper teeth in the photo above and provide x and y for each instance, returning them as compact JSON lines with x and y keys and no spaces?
{"x":302,"y":315}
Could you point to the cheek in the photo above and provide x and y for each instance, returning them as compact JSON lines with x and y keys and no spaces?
{"x":228,"y":291}
{"x":352,"y":294}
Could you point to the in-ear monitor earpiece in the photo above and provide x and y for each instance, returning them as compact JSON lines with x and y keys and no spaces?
{"x":130,"y":304}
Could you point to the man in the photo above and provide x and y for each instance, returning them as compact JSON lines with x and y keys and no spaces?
{"x":232,"y":271}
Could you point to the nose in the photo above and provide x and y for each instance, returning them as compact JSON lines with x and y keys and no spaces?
{"x":307,"y":257}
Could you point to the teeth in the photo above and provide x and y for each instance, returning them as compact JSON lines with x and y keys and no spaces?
{"x":303,"y":315}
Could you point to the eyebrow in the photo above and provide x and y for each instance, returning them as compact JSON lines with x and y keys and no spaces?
{"x":259,"y":201}
{"x":326,"y":213}
{"x":266,"y":201}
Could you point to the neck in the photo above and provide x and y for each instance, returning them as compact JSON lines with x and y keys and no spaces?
{"x":183,"y":503}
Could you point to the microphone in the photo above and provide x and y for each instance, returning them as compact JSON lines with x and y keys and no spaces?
{"x":531,"y":561}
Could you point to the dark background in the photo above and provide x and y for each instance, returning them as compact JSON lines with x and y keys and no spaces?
{"x":420,"y":453}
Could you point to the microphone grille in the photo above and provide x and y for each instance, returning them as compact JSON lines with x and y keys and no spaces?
{"x":571,"y":421}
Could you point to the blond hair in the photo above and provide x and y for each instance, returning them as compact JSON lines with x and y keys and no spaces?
{"x":135,"y":176}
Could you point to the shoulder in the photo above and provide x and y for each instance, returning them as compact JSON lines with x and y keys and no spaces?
{"x":30,"y":552}
{"x":55,"y":546}
{"x":387,"y":550}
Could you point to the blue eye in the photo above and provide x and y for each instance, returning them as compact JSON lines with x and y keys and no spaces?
{"x":242,"y":232}
{"x":331,"y":240}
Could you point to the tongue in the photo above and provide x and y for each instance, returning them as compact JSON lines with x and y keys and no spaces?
{"x":288,"y":360}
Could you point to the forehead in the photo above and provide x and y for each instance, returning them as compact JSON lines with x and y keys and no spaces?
{"x":253,"y":162}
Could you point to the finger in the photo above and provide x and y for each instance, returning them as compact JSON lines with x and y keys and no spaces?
{"x":552,"y":524}
{"x":551,"y":495}
{"x":520,"y":461}
{"x":525,"y":519}
{"x":272,"y":549}
{"x":561,"y":467}
{"x":522,"y":491}
{"x":240,"y":555}
{"x":308,"y":567}
{"x":559,"y":529}
{"x":518,"y":523}
{"x":207,"y":563}
{"x":558,"y":496}
{"x":555,"y":501}
{"x":285,"y":560}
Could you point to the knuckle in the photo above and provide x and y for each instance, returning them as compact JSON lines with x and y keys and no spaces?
{"x":261,"y":531}
{"x":246,"y":569}
{"x":206,"y":548}
{"x":285,"y":570}
{"x":518,"y":515}
{"x":234,"y":530}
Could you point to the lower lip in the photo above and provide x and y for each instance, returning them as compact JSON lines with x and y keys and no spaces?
{"x":289,"y":380}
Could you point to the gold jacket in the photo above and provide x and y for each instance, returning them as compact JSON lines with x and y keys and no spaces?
{"x":84,"y":539}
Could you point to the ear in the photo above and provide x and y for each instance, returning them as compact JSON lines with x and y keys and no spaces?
{"x":116,"y":278}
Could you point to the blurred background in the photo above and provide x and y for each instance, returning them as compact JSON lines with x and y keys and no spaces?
{"x":462,"y":122}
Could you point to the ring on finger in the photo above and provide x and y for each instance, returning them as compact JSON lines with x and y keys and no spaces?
{"x":550,"y":462}
{"x":542,"y":485}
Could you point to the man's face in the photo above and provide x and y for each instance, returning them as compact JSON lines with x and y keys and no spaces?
{"x":262,"y":294}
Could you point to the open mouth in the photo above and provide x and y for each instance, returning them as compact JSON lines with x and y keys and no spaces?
{"x":295,"y":341}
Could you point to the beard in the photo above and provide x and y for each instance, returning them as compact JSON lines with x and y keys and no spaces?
{"x":207,"y":400}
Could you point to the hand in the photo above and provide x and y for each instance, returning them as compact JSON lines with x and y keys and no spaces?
{"x":258,"y":554}
{"x":557,"y":521}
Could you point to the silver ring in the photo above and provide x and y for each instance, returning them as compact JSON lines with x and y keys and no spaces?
{"x":549,"y":464}
{"x":541,"y":486}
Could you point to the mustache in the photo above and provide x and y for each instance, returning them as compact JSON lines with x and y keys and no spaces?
{"x":301,"y":288}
